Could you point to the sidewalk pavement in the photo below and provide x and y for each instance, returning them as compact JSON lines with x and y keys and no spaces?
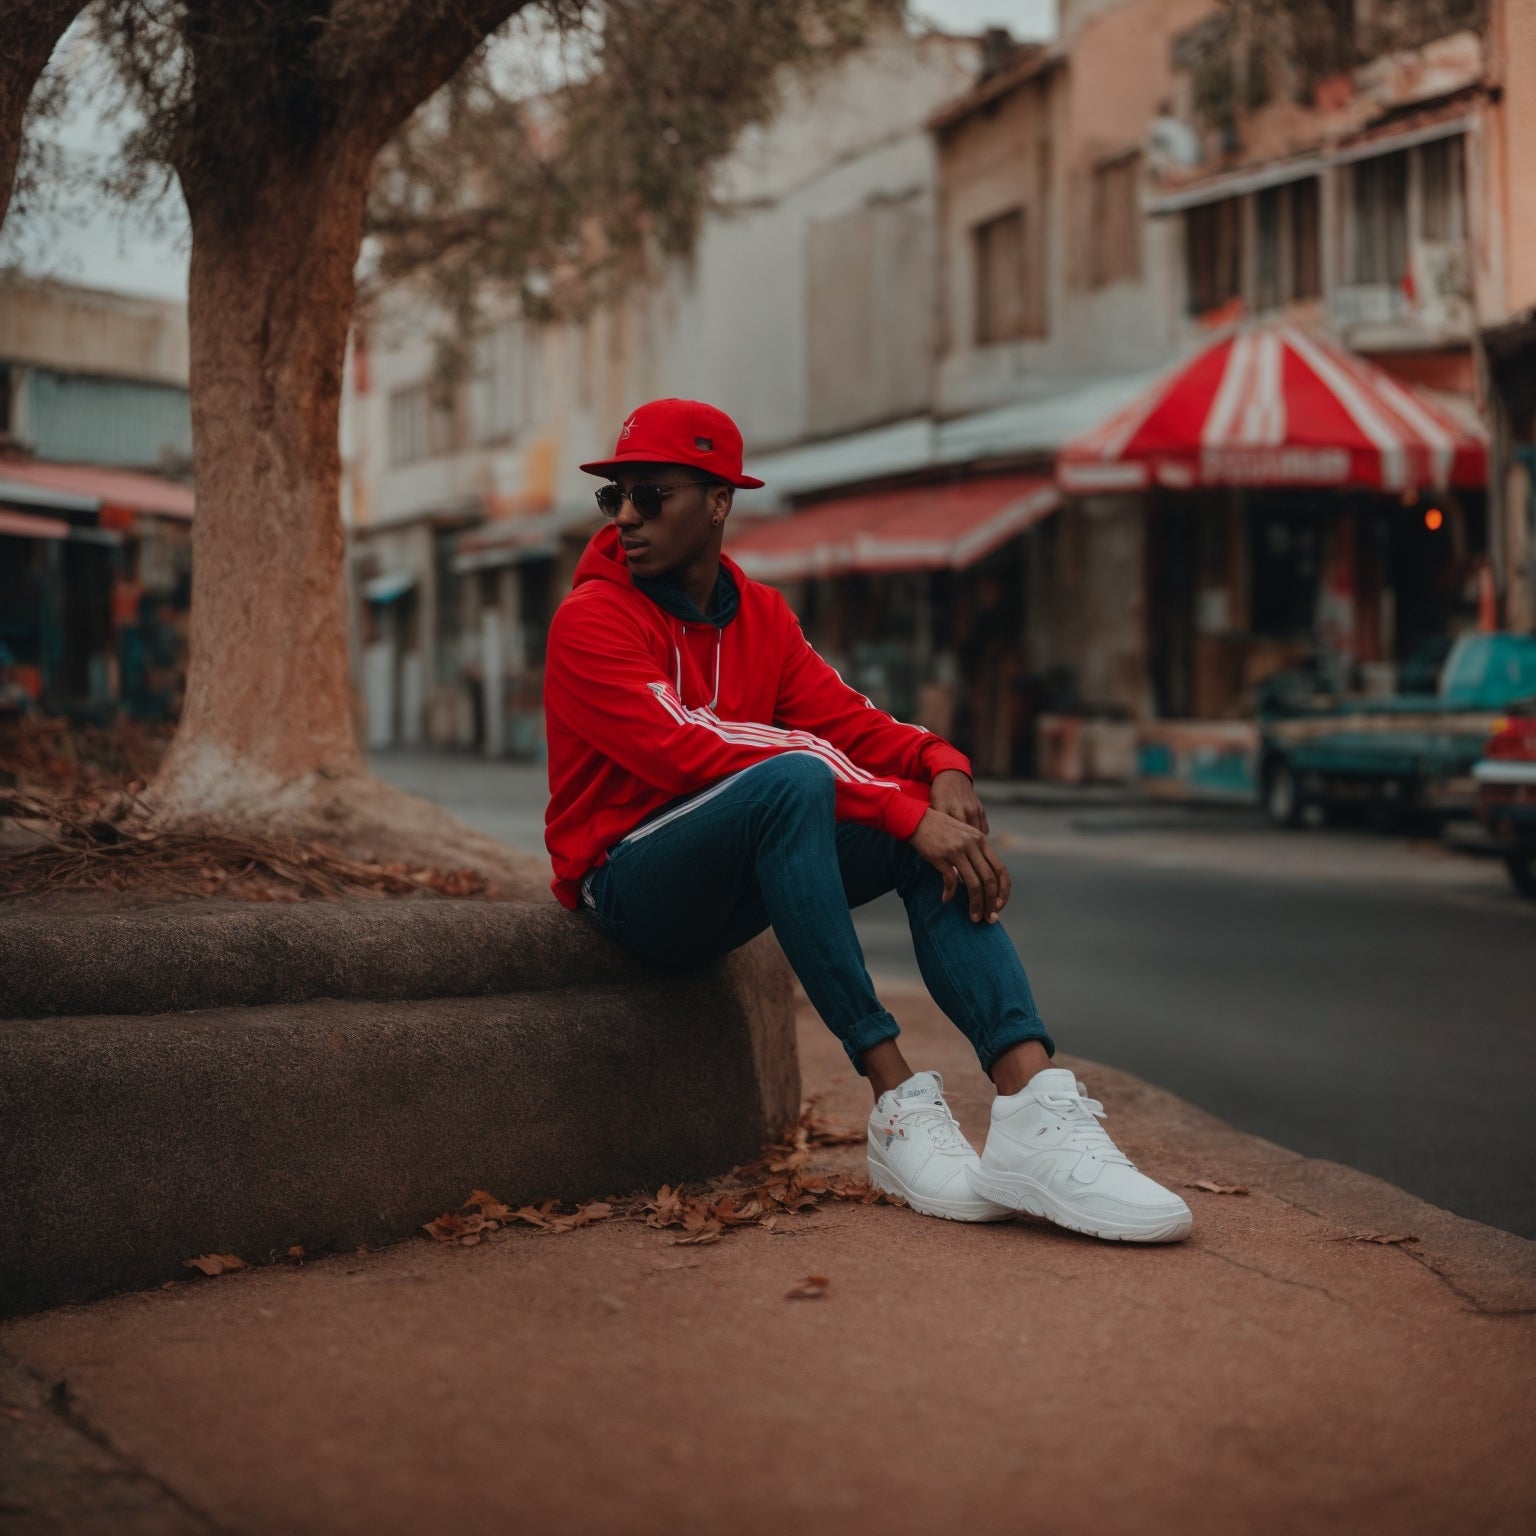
{"x":1274,"y":1373}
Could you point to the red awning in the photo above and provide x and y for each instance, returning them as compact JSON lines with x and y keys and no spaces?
{"x":23,"y":525}
{"x":916,"y":528}
{"x":124,"y":489}
{"x":1274,"y":405}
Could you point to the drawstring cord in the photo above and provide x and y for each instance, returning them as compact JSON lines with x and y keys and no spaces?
{"x":678,"y":653}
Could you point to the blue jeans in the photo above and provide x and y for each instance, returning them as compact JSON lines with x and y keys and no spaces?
{"x":763,"y":848}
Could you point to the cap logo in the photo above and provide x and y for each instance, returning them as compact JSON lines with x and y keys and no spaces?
{"x":626,"y":429}
{"x":704,"y":444}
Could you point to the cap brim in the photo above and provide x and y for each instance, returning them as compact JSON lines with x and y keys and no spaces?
{"x":606,"y":467}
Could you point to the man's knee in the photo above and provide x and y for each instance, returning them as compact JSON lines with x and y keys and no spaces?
{"x":801,"y":775}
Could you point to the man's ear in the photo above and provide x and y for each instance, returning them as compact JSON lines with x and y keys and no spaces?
{"x":720,"y":499}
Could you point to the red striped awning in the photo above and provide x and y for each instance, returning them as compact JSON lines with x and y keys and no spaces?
{"x":915,"y":528}
{"x":1273,"y":405}
{"x":23,"y":525}
{"x":125,"y":489}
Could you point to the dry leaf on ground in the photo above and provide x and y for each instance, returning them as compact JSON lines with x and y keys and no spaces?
{"x":773,"y":1186}
{"x":1378,"y":1237}
{"x":1211,"y":1187}
{"x":808,"y":1289}
{"x":489,"y":1205}
{"x":455,"y":1227}
{"x":215,"y":1263}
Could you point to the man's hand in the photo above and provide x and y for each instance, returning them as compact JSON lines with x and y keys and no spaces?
{"x":955,"y":795}
{"x":962,"y":855}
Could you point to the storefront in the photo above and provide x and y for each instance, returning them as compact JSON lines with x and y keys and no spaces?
{"x":916,"y":595}
{"x":95,"y":587}
{"x":1308,"y":516}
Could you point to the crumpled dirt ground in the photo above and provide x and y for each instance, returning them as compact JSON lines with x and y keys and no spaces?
{"x":1276,"y":1373}
{"x":73,"y":836}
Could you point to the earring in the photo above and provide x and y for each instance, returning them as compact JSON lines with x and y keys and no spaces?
{"x":714,"y":522}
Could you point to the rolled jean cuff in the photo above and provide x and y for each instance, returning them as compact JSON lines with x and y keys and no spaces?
{"x":1010,"y":1034}
{"x":867,"y":1034}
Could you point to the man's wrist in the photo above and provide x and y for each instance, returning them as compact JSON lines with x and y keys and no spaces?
{"x":940,"y":757}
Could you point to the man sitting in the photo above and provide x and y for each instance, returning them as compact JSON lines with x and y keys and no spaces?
{"x":711,"y":776}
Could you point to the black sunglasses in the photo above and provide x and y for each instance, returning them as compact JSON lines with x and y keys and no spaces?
{"x":646,"y":497}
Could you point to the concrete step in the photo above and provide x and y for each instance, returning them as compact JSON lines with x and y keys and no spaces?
{"x":215,"y":954}
{"x":134,"y":1140}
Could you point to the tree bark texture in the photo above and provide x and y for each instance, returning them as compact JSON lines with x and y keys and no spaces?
{"x":269,"y":304}
{"x":29,"y":32}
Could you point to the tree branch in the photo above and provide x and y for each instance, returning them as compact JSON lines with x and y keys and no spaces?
{"x":415,"y":53}
{"x":31,"y":33}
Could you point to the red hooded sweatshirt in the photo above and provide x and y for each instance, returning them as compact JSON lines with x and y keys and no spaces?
{"x":643,"y":709}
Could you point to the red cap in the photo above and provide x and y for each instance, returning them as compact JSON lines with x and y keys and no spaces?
{"x":679,"y":432}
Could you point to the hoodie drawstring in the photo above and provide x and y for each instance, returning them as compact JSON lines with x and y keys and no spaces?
{"x":678,"y":653}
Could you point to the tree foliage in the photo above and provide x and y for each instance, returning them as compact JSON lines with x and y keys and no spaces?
{"x":31,"y":31}
{"x":563,"y":193}
{"x":1249,"y":51}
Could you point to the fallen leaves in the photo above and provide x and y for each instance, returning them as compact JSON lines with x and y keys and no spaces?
{"x":77,"y":788}
{"x":454,"y":1227}
{"x":116,"y":855}
{"x":808,"y":1289}
{"x":1386,"y":1238}
{"x":1211,"y":1187}
{"x":215,"y":1263}
{"x":810,"y":1132}
{"x":774,"y":1186}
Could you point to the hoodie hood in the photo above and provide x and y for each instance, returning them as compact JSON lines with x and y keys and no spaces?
{"x":603,"y":560}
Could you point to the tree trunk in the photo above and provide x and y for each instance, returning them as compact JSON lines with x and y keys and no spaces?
{"x":31,"y":31}
{"x":266,"y":740}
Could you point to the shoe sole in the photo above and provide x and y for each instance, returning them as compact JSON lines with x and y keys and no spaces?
{"x":1025,"y":1194}
{"x":885,"y":1178}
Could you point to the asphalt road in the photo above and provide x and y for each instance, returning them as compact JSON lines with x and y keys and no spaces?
{"x":1350,"y":996}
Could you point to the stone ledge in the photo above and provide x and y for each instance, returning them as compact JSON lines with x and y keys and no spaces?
{"x":133,"y":1141}
{"x":221,"y":954}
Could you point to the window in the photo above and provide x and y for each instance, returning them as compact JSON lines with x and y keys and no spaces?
{"x":495,"y":393}
{"x":1380,"y":199}
{"x":1214,"y":254}
{"x":1001,"y":279}
{"x":1271,"y":253}
{"x":421,"y":423}
{"x":1306,"y":239}
{"x":586,"y":365}
{"x":1114,"y":252}
{"x":1287,"y":262}
{"x":507,"y":390}
{"x":1442,"y":190}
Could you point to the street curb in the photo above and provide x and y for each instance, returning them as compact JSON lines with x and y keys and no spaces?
{"x":1490,"y":1270}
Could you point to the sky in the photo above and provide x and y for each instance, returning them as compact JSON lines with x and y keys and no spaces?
{"x":101,"y":246}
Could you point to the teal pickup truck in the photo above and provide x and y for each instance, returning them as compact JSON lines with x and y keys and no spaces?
{"x":1404,"y":759}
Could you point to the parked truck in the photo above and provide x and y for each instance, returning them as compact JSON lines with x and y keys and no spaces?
{"x":1403,"y":759}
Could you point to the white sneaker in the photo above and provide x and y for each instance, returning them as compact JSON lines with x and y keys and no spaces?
{"x":1047,"y":1154}
{"x":918,"y":1151}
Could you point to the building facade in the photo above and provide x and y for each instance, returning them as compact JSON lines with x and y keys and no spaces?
{"x":938,"y":266}
{"x":95,"y":504}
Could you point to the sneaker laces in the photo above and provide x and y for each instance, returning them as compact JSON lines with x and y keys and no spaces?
{"x":1084,"y":1132}
{"x":942,"y":1127}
